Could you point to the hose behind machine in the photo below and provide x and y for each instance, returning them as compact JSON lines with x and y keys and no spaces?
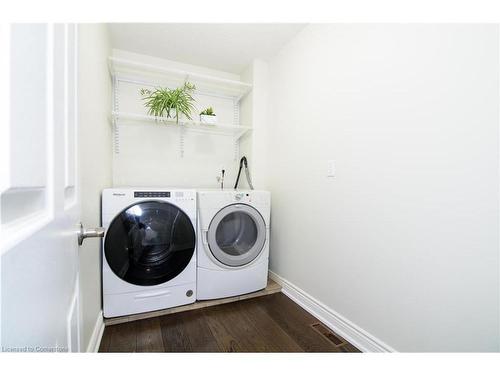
{"x":244,"y":162}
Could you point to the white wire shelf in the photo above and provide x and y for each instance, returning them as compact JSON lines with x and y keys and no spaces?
{"x":156,"y":75}
{"x":121,"y":118}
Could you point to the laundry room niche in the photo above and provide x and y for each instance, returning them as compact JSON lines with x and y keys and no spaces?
{"x":149,"y":151}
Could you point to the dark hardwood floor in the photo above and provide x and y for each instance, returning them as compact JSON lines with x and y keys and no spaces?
{"x":271,"y":323}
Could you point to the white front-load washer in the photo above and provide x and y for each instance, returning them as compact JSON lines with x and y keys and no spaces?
{"x":233,"y":242}
{"x":149,"y":249}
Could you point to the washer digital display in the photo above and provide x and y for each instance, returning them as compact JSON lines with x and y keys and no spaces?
{"x":151,"y":194}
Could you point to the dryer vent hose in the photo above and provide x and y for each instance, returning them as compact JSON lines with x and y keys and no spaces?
{"x":244,"y":162}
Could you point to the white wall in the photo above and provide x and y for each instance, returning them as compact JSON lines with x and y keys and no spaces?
{"x":95,"y":155}
{"x":246,"y":116}
{"x":254,"y":112}
{"x":149,"y":154}
{"x":404,"y":240}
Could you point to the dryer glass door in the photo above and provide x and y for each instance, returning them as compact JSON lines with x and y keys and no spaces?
{"x":236,"y":235}
{"x":149,"y":243}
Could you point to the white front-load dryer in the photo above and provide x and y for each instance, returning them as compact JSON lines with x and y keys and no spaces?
{"x":233,"y":242}
{"x":149,"y":249}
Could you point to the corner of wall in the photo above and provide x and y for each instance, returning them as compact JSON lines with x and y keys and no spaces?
{"x":260,"y":122}
{"x":95,"y":163}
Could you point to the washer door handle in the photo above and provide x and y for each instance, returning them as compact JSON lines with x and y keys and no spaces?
{"x":204,"y":236}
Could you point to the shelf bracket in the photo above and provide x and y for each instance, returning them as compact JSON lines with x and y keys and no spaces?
{"x":181,"y":141}
{"x":116,"y":137}
{"x":236,"y":149}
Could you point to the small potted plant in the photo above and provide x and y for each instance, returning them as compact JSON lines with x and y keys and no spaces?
{"x":207,"y":116}
{"x":170,"y":103}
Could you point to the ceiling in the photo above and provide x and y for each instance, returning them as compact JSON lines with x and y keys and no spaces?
{"x":227,"y":47}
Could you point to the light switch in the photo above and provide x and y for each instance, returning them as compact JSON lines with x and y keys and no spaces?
{"x":331,"y":168}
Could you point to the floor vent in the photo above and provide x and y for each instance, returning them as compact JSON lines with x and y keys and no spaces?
{"x":328,"y":334}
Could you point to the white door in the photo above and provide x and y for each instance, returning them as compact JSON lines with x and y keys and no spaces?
{"x":39,"y":197}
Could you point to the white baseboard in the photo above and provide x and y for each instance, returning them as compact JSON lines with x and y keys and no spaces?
{"x":336,"y":322}
{"x":95,"y":339}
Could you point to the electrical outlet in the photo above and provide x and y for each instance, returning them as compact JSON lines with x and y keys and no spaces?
{"x":331,"y":168}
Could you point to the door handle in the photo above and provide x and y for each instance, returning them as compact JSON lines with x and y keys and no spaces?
{"x":204,"y":237}
{"x":86,"y":233}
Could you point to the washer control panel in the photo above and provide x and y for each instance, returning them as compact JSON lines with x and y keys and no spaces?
{"x":151,"y":194}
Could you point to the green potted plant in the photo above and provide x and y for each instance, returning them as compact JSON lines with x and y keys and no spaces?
{"x":170,"y":103}
{"x":207,"y":116}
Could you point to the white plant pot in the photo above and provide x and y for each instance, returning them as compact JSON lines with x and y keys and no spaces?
{"x":208,"y":120}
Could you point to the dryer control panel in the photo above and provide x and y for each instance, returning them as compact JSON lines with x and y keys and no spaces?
{"x":242,"y":197}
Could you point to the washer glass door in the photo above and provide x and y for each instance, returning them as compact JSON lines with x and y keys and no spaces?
{"x":149,"y":243}
{"x":236,"y":235}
